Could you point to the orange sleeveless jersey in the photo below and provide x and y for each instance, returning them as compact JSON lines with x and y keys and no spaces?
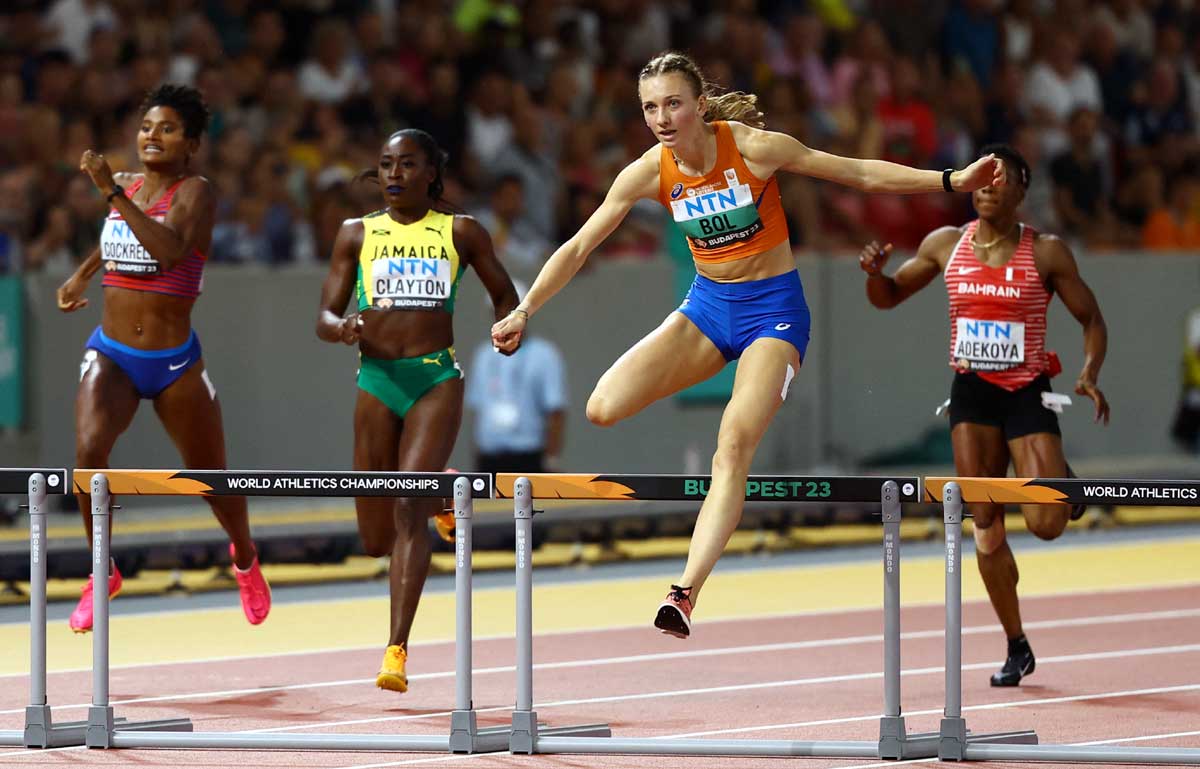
{"x":727,"y":214}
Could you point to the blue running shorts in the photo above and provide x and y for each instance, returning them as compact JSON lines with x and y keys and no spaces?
{"x":733,"y":315}
{"x":151,"y":371}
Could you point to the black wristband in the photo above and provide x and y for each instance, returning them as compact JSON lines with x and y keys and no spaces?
{"x":946,"y":185}
{"x":117,"y":190}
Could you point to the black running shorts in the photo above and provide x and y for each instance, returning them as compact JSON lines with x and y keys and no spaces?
{"x":1017,"y":413}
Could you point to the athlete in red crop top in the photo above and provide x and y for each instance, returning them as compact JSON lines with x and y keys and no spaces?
{"x":153,"y":249}
{"x":714,"y":169}
{"x":1000,"y":275}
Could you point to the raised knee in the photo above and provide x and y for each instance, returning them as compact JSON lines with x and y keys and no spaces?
{"x":600,"y":411}
{"x":988,"y":538}
{"x":1046,"y":528}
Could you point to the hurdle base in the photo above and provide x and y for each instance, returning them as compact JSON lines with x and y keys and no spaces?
{"x":895,"y":743}
{"x":467,"y":737}
{"x":952,"y":739}
{"x":101,"y":726}
{"x":42,"y":732}
{"x":526,"y":730}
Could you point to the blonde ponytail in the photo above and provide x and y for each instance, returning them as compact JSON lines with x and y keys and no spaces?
{"x":734,"y":105}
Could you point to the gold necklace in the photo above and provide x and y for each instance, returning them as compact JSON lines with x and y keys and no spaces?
{"x":987,"y":246}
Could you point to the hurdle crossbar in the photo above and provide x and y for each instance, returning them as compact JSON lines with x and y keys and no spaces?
{"x":40,"y":730}
{"x":464,"y":736}
{"x":893,"y":741}
{"x":955,"y":744}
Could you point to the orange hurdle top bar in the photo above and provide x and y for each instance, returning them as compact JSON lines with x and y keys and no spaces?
{"x":283,"y":483}
{"x":1069,"y":491}
{"x":759,"y":488}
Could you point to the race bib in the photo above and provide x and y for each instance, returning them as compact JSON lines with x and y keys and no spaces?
{"x":720,"y":217}
{"x":989,"y":345}
{"x":123,"y":253}
{"x":410,"y":283}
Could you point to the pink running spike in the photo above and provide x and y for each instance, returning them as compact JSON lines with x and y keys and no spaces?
{"x":254,"y":590}
{"x":81,"y":618}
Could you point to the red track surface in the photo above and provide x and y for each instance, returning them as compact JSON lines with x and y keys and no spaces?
{"x":767,"y":687}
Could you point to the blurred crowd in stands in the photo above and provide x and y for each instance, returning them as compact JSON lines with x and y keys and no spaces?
{"x":536,"y":102}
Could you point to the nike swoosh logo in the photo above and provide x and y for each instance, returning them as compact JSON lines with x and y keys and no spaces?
{"x":968,"y":270}
{"x":177,"y":366}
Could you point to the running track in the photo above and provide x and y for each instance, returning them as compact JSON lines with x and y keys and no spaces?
{"x":1116,"y":663}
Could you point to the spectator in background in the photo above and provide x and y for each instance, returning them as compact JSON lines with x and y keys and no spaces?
{"x":1003,"y":112}
{"x":1176,"y":225}
{"x":869,"y":54}
{"x":1058,"y":85}
{"x":331,"y":75}
{"x":518,"y":245}
{"x":1018,"y":24}
{"x":526,"y":157}
{"x":1160,"y":119}
{"x":520,"y":405}
{"x":1130,"y":24}
{"x":1118,"y":69}
{"x":971,"y":36}
{"x":71,"y":229}
{"x":1080,"y":184}
{"x":489,"y":129}
{"x":70,"y":24}
{"x":799,"y":53}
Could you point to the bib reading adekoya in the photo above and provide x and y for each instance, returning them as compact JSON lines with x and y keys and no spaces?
{"x":408,"y":266}
{"x":989,"y":345}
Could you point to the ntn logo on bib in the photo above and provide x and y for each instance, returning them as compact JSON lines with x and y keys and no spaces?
{"x":411,"y":283}
{"x":719,"y":215}
{"x":988,"y":345}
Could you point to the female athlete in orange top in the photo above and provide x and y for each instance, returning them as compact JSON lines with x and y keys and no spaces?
{"x":714,"y":168}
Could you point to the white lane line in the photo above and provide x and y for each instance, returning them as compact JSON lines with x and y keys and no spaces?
{"x":880,"y":765}
{"x":989,"y":706}
{"x":795,"y":725}
{"x":747,"y":687}
{"x":1139,"y":617}
{"x":1117,"y":741}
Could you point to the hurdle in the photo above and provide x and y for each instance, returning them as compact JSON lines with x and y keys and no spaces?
{"x":893,"y":741}
{"x":955,"y":744}
{"x":40,"y":730}
{"x":103,"y":731}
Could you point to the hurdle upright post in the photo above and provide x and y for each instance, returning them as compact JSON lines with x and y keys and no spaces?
{"x":100,"y":714}
{"x":465,"y":734}
{"x":893,"y":737}
{"x":524,"y":719}
{"x":39,"y":729}
{"x":953,"y":742}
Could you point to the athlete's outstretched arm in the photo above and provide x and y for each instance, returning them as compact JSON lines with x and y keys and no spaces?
{"x":1062,"y":273}
{"x":473,"y":241}
{"x":779,"y":151}
{"x":189,"y":222}
{"x":70,"y":293}
{"x":339,"y":287}
{"x":912,"y":276}
{"x":637,"y":180}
